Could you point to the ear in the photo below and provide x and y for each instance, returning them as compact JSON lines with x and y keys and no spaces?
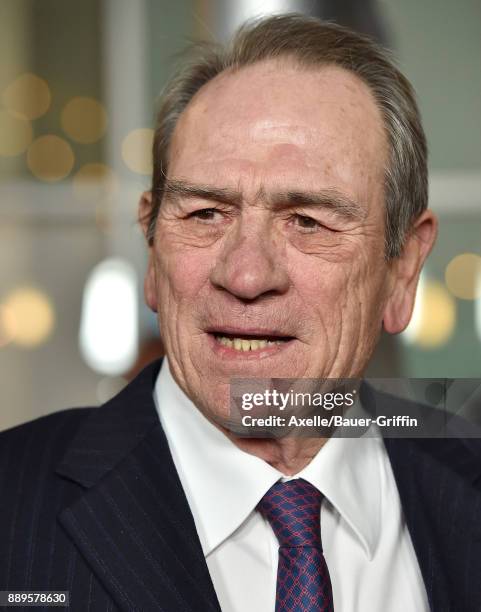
{"x":405,"y":272}
{"x":150,"y":284}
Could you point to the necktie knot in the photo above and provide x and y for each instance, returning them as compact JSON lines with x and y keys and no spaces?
{"x":293,"y":510}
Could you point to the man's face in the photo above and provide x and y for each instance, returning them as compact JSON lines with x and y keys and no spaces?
{"x":268,"y":258}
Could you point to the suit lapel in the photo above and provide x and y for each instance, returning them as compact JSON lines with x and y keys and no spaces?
{"x":439,"y":487}
{"x":133,"y":524}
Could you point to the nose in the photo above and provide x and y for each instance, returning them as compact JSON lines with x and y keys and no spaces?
{"x":251,"y":263}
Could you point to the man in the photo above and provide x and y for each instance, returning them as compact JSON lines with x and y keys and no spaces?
{"x":287,"y":225}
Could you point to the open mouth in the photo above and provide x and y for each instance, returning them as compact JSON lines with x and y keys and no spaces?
{"x":249,"y":342}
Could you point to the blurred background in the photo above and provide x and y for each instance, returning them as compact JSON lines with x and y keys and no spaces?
{"x":78,"y":89}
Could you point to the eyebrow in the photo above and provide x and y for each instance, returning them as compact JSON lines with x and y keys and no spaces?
{"x":174,"y":189}
{"x":329,"y":198}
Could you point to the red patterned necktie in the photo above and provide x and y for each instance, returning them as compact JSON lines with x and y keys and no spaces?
{"x":293,"y":510}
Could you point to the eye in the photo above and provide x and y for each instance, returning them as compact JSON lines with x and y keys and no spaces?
{"x":305,"y":222}
{"x":204,"y":214}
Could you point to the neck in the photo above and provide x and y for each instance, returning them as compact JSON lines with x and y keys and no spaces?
{"x":288,"y":455}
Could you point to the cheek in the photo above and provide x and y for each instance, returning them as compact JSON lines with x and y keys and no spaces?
{"x":181,"y":274}
{"x":336,"y":293}
{"x":324,"y":286}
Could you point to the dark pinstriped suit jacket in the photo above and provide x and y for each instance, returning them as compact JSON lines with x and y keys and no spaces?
{"x":90,"y":502}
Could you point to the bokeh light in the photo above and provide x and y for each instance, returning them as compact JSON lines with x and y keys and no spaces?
{"x":137,"y":150}
{"x":8,"y":325}
{"x":27,"y":317}
{"x":15,"y":134}
{"x":462,"y":276}
{"x":109,"y":323}
{"x":94,"y":181}
{"x":434,"y":316}
{"x":84,"y":120}
{"x":50,"y":158}
{"x":28,"y":97}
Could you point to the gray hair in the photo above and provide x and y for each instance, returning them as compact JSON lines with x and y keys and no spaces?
{"x":312,"y":43}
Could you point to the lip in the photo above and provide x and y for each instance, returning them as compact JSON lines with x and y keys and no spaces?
{"x":254,"y":332}
{"x":227,"y":353}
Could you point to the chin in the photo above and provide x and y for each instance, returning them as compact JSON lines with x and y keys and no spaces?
{"x":215,"y":407}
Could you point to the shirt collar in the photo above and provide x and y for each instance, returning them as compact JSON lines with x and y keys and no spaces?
{"x":223,"y":484}
{"x":348,"y":471}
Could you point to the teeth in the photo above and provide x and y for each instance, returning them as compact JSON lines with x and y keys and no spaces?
{"x":241,"y":344}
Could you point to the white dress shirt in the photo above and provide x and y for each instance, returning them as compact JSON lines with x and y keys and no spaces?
{"x":366,"y":543}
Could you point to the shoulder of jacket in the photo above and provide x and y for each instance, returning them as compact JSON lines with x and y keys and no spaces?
{"x":62,"y":421}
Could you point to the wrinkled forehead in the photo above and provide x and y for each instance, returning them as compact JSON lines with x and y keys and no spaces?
{"x":315,"y":116}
